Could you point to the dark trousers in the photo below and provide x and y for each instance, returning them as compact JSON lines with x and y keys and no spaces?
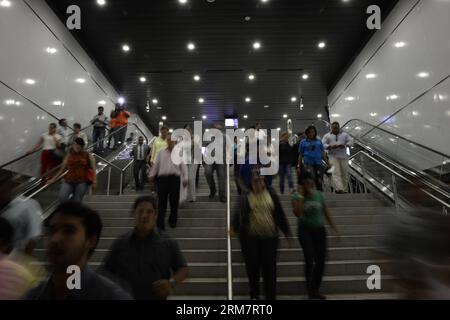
{"x":260,"y":256}
{"x":112,"y":135}
{"x":285,"y":170}
{"x":316,"y":170}
{"x":139,"y":171}
{"x":168,"y":189}
{"x":119,"y":136}
{"x":314,"y":245}
{"x":97,"y":136}
{"x":221,"y":172}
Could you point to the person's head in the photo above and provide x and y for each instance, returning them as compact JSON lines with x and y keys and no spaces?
{"x":258,"y":126}
{"x":300,"y":134}
{"x":7,"y":188}
{"x":141,"y":140}
{"x":284,"y":137}
{"x":188,"y":128}
{"x":307,"y":181}
{"x":78,"y":145}
{"x":311,"y":133}
{"x":6,"y":236}
{"x":52,"y":128}
{"x":145,"y":213}
{"x":218,"y":126}
{"x":73,"y":231}
{"x":170,"y":143}
{"x":164,"y":131}
{"x":101,"y":110}
{"x":63,"y":123}
{"x":335,"y":127}
{"x":76,"y":127}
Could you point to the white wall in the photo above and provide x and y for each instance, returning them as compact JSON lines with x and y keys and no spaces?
{"x":418,"y":107}
{"x":24,"y":40}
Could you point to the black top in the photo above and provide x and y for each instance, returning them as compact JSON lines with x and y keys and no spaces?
{"x":285,"y":153}
{"x":295,"y":153}
{"x":241,"y":218}
{"x":138,"y":262}
{"x":93,"y":287}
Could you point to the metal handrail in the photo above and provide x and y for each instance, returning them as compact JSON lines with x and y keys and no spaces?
{"x":229,"y":252}
{"x":402,"y":177}
{"x":393,"y":134}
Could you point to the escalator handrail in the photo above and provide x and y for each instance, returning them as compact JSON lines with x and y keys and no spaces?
{"x":406,"y":179}
{"x":395,"y":135}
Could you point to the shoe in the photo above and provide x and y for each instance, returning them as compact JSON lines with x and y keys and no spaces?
{"x":317,"y":296}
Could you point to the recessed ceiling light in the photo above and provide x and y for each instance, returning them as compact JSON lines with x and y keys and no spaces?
{"x":319,"y":115}
{"x":393,"y":97}
{"x":264,"y":1}
{"x":350,"y":98}
{"x":322,"y":45}
{"x":197,"y":78}
{"x":159,"y":108}
{"x":245,"y":116}
{"x":57,"y":103}
{"x":191,"y":46}
{"x":371,"y":76}
{"x":248,"y":18}
{"x":335,"y":115}
{"x":126,"y":48}
{"x":285,"y":116}
{"x":201,"y":100}
{"x":30,"y":81}
{"x":102,"y":102}
{"x":143,"y":79}
{"x":305,"y":76}
{"x":51,"y":50}
{"x":10,"y":102}
{"x":164,"y":117}
{"x":5,"y":3}
{"x":279,"y":129}
{"x":182,"y":1}
{"x":251,"y":76}
{"x":121,"y":100}
{"x":373,"y":114}
{"x":294,"y":99}
{"x":266,"y":106}
{"x":423,"y":74}
{"x":80,"y":80}
{"x":400,"y":44}
{"x":257,"y":45}
{"x":204,"y":117}
{"x":101,"y":2}
{"x":248,"y":99}
{"x":155,"y":101}
{"x":170,"y":130}
{"x":415,"y":113}
{"x":18,"y":103}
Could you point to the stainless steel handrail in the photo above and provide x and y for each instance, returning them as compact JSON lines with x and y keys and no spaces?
{"x":229,"y":252}
{"x":447,"y":205}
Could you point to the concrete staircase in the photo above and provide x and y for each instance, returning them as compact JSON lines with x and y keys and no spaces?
{"x":201,"y":234}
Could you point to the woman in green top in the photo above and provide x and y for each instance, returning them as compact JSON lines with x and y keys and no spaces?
{"x":309,"y":206}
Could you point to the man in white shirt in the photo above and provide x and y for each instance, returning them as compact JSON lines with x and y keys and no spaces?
{"x":100,"y":122}
{"x":140,"y":154}
{"x":64,"y":131}
{"x":169,"y":176}
{"x":336,"y":143}
{"x":77,"y":133}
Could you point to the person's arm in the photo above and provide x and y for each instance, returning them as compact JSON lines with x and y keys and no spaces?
{"x":155,"y":168}
{"x":330,"y":221}
{"x":58,"y":140}
{"x":298,"y":203}
{"x":348,"y":140}
{"x":324,"y":155}
{"x":326,"y":146}
{"x":153,"y":153}
{"x":93,"y":167}
{"x":37,"y":146}
{"x":281,"y":216}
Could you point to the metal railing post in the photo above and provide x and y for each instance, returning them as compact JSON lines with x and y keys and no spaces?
{"x":109,"y":181}
{"x":229,"y":255}
{"x":121,"y":183}
{"x":394,"y":190}
{"x":363,"y":172}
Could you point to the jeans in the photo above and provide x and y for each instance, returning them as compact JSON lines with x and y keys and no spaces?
{"x":209,"y":173}
{"x":168,"y":189}
{"x":77,"y":190}
{"x":139,"y":172}
{"x":260,"y":256}
{"x":98,"y":135}
{"x":316,"y":170}
{"x":286,"y":170}
{"x":314,"y":245}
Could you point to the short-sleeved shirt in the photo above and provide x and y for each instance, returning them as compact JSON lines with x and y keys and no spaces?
{"x":312,"y":151}
{"x":313,"y":215}
{"x":93,"y":287}
{"x":136,"y":262}
{"x":24,"y":215}
{"x":49,"y":141}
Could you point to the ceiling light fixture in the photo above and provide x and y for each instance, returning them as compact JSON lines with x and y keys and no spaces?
{"x":294,"y":99}
{"x":201,"y":100}
{"x":155,"y":101}
{"x":101,"y":2}
{"x":143,"y":79}
{"x":191,"y":46}
{"x":423,"y":74}
{"x":257,"y":45}
{"x":102,"y":102}
{"x":51,"y":50}
{"x":305,"y":76}
{"x":371,"y":76}
{"x":400,"y":44}
{"x":197,"y":78}
{"x":285,"y":116}
{"x":80,"y":80}
{"x":204,"y":117}
{"x":5,"y":3}
{"x":248,"y":99}
{"x":164,"y":118}
{"x":30,"y":81}
{"x":245,"y":116}
{"x":126,"y":48}
{"x":121,"y":100}
{"x":322,"y":45}
{"x":251,"y":76}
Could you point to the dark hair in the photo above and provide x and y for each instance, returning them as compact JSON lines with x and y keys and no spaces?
{"x":90,"y":219}
{"x":305,"y":175}
{"x":80,"y":142}
{"x":150,"y":199}
{"x":61,"y":121}
{"x":101,"y":107}
{"x":6,"y":234}
{"x":77,"y":125}
{"x":335,"y":123}
{"x":309,"y":129}
{"x":164,"y":128}
{"x":52,"y":124}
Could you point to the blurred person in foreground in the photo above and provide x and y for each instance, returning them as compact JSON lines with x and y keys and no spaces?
{"x":147,"y":259}
{"x":257,"y":221}
{"x":15,"y":280}
{"x":311,"y":210}
{"x":73,"y":232}
{"x":418,"y":242}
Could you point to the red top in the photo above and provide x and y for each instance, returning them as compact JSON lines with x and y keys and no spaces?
{"x":78,"y":164}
